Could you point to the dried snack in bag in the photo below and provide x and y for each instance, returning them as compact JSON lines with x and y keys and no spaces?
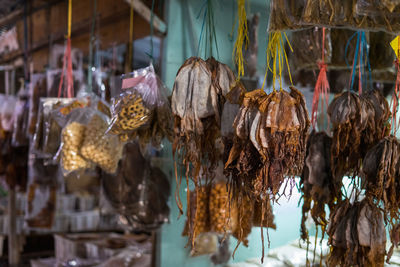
{"x":219,"y":207}
{"x":286,"y":15}
{"x":72,"y":137}
{"x":128,"y":113}
{"x":99,"y":148}
{"x":150,"y":115}
{"x":327,"y":12}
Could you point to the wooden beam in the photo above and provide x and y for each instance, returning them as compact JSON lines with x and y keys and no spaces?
{"x":145,"y":12}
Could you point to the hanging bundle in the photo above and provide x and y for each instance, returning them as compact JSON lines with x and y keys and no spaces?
{"x":67,"y":61}
{"x":270,"y":132}
{"x":242,"y":38}
{"x":357,"y":235}
{"x":198,"y":97}
{"x":358,"y":121}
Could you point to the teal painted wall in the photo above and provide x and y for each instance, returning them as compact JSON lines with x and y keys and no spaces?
{"x":184,"y":26}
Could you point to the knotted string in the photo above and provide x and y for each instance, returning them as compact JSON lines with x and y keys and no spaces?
{"x":242,"y":38}
{"x":67,"y":61}
{"x":277,"y":55}
{"x":322,"y":88}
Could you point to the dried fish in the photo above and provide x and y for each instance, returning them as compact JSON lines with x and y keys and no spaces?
{"x":317,"y":184}
{"x":357,"y":235}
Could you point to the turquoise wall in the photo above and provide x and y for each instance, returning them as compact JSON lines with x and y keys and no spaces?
{"x":184,"y":26}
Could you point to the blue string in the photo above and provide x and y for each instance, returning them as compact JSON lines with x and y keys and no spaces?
{"x":361,"y":56}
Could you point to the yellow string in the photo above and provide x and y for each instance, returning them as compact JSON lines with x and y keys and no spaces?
{"x":69,"y":18}
{"x":277,"y":54}
{"x":242,"y":37}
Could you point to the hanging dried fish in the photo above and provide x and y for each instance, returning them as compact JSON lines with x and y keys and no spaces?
{"x":317,"y":184}
{"x":357,"y":235}
{"x":381,"y":172}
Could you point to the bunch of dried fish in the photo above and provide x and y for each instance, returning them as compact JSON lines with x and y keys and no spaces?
{"x":317,"y":184}
{"x":381,"y":172}
{"x":198,"y":98}
{"x":270,"y":141}
{"x":279,"y":133}
{"x":244,"y":161}
{"x":357,"y":235}
{"x":358,"y":123}
{"x":286,"y":15}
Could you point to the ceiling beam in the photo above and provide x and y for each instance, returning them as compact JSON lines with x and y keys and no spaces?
{"x":145,"y":12}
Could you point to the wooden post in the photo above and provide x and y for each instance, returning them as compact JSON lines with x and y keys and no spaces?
{"x":13,"y":248}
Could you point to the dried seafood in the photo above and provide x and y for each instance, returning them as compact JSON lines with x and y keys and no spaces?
{"x":357,"y":235}
{"x":381,"y":172}
{"x":318,"y":186}
{"x":358,"y":123}
{"x":198,"y":98}
{"x":279,"y":133}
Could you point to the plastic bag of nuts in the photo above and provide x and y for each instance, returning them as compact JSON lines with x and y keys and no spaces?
{"x":219,"y":208}
{"x":72,"y":138}
{"x":101,"y":149}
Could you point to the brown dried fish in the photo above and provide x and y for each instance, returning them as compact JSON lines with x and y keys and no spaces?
{"x":357,"y":235}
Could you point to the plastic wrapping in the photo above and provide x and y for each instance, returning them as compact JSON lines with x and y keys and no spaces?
{"x":53,"y":113}
{"x":41,"y":205}
{"x":204,"y":244}
{"x":307,"y":49}
{"x":138,"y":191}
{"x":142,"y":109}
{"x":379,"y":14}
{"x":219,"y":208}
{"x":286,"y":15}
{"x":21,"y":120}
{"x":38,"y":89}
{"x":328,"y":13}
{"x":103,"y":150}
{"x":129,"y":113}
{"x":7,"y":112}
{"x":72,"y":137}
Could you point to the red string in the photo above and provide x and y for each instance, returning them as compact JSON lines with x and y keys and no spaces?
{"x":67,"y":64}
{"x":321,"y":87}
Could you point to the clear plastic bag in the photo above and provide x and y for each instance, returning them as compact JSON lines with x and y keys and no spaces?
{"x":143,"y":105}
{"x":38,"y":89}
{"x":328,"y":13}
{"x":7,"y":112}
{"x":286,"y":15}
{"x":379,"y":14}
{"x":99,"y":148}
{"x":138,"y":191}
{"x":72,"y":137}
{"x":307,"y":49}
{"x":41,"y":205}
{"x":21,"y":120}
{"x":53,"y":114}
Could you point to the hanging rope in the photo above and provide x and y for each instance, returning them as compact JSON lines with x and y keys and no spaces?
{"x":277,"y":55}
{"x":67,"y":61}
{"x":128,"y":65}
{"x":91,"y":40}
{"x":242,"y":38}
{"x":321,"y":87}
{"x":207,"y":30}
{"x":152,"y":32}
